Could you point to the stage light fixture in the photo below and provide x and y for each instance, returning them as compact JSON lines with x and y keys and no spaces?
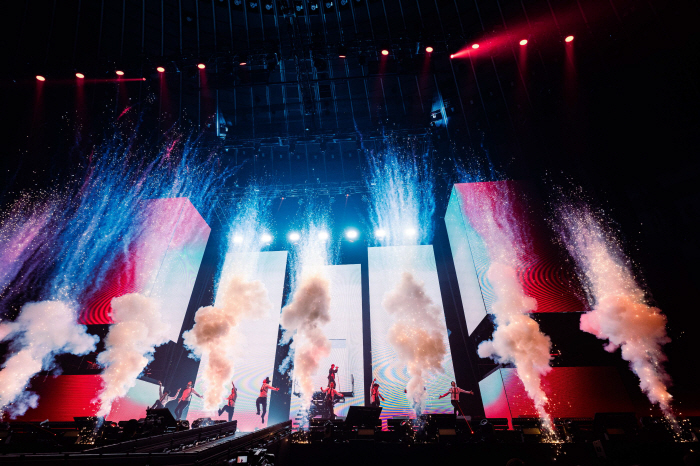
{"x":266,"y":238}
{"x":410,"y":232}
{"x":385,"y":52}
{"x":452,"y":55}
{"x":352,"y":234}
{"x":238,"y":239}
{"x":523,"y":42}
{"x":160,"y":69}
{"x":119,"y":73}
{"x":242,"y":63}
{"x":379,"y":233}
{"x":80,"y":75}
{"x":294,"y":237}
{"x":201,"y":66}
{"x":40,"y":78}
{"x":569,"y":38}
{"x":475,"y":46}
{"x":429,"y":49}
{"x":323,"y":235}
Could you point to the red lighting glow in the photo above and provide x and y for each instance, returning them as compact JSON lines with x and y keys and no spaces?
{"x":160,"y":69}
{"x":385,"y":52}
{"x":120,"y":73}
{"x":569,"y":38}
{"x":243,"y":63}
{"x":201,"y":66}
{"x":475,"y":46}
{"x":40,"y":78}
{"x":452,"y":55}
{"x":429,"y":49}
{"x":80,"y":75}
{"x":523,"y":42}
{"x":341,"y":56}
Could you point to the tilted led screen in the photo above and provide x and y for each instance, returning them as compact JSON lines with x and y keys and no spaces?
{"x":545,"y":274}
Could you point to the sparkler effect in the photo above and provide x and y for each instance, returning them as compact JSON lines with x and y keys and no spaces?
{"x":62,"y":249}
{"x":41,"y":331}
{"x":517,"y":338}
{"x":215,"y":337}
{"x":27,"y":229}
{"x":402,"y":206}
{"x":621,"y":314}
{"x":129,"y":345}
{"x":309,"y":310}
{"x":401,"y":191}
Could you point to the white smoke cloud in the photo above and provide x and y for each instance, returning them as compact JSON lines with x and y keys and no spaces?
{"x":129,"y":345}
{"x":416,"y":335}
{"x":621,"y":314}
{"x":306,"y":315}
{"x":517,"y":338}
{"x":215,"y":337}
{"x":42,"y":331}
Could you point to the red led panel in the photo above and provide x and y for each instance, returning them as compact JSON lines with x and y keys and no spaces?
{"x":572,"y":392}
{"x":64,"y":397}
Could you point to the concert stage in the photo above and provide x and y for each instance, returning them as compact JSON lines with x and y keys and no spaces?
{"x":610,"y":438}
{"x":232,"y":228}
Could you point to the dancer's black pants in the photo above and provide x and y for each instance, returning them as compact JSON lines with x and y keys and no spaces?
{"x":228,"y":409}
{"x":455,"y":405}
{"x":180,"y":408}
{"x":261,"y":401}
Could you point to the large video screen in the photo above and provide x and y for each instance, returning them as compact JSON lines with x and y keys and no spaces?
{"x":66,"y":396}
{"x":545,"y":274}
{"x":257,"y":359}
{"x":162,"y":263}
{"x":386,"y":266}
{"x":572,"y":392}
{"x":345,"y":333}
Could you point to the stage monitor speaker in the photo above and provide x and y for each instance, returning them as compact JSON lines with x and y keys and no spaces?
{"x":615,"y":425}
{"x":202,"y":422}
{"x":164,"y":413}
{"x":363,"y":416}
{"x":396,"y":422}
{"x":498,"y":423}
{"x":442,"y":421}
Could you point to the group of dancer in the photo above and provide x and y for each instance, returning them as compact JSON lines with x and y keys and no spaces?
{"x":331,"y":396}
{"x":228,"y":408}
{"x":454,"y":392}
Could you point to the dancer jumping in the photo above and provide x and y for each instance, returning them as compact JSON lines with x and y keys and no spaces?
{"x":374,"y":395}
{"x":329,"y":398}
{"x":262,"y":399}
{"x":454,"y":392}
{"x":230,"y":402}
{"x":185,"y":400}
{"x":163,"y":397}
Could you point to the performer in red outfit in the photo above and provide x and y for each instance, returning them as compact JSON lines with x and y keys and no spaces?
{"x":185,"y":399}
{"x":329,"y":398}
{"x":454,"y":392}
{"x":230,"y":403}
{"x":262,"y":399}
